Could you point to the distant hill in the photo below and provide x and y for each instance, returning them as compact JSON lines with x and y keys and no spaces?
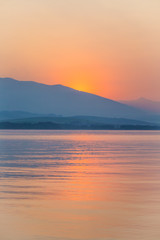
{"x":40,"y":99}
{"x":145,"y":104}
{"x":77,"y":122}
{"x":80,"y":120}
{"x":10,"y":115}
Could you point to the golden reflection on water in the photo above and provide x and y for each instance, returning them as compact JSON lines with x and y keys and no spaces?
{"x":80,"y":185}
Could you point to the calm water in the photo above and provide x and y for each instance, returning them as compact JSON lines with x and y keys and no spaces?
{"x":78,"y":185}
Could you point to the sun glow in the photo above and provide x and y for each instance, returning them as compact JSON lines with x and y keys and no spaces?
{"x":81,"y":86}
{"x":82,"y":82}
{"x":109,"y":49}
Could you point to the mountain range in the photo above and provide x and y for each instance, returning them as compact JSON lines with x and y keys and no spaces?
{"x":144,"y":104}
{"x":27,"y":99}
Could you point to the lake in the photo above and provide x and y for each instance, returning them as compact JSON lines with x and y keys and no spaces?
{"x":79,"y":185}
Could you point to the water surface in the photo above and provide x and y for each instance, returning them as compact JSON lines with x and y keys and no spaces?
{"x":79,"y":185}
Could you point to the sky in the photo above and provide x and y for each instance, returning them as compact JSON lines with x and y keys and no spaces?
{"x":107,"y":47}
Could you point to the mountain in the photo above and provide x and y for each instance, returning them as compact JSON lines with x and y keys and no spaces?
{"x":60,"y":100}
{"x":10,"y":115}
{"x":78,"y":122}
{"x":145,"y":104}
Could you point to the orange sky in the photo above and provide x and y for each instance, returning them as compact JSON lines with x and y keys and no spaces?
{"x":110,"y":48}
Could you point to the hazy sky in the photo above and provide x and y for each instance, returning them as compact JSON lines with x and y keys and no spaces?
{"x":107,"y":47}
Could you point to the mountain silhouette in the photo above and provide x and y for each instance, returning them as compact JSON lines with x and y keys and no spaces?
{"x":40,"y":98}
{"x":145,"y":104}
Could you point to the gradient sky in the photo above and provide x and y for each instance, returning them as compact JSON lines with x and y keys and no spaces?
{"x":111,"y":48}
